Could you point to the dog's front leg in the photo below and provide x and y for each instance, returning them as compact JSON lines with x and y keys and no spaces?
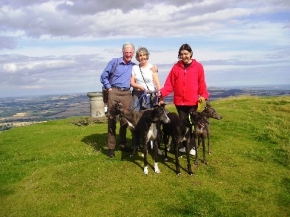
{"x":176,"y":156}
{"x":203,"y":151}
{"x":196,"y":141}
{"x":188,"y":158}
{"x":134,"y":141}
{"x":156,"y":168}
{"x":145,"y":151}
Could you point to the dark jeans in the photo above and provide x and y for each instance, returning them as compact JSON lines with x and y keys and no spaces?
{"x":183,"y":112}
{"x":116,"y":95}
{"x":139,"y":102}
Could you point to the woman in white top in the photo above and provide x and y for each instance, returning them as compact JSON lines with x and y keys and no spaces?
{"x":145,"y":83}
{"x":144,"y":80}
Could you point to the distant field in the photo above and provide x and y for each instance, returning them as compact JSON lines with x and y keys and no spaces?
{"x":43,"y":108}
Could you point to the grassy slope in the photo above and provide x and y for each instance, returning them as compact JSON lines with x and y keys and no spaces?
{"x":59,"y":169}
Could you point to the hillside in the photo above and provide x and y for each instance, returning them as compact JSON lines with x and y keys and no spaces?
{"x":57,"y":168}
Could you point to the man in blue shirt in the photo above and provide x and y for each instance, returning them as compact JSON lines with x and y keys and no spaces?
{"x":116,"y":79}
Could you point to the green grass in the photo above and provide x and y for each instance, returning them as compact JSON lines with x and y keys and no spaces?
{"x":60,"y":169}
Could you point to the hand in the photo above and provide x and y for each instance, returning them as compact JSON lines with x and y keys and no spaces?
{"x":201,"y":99}
{"x":159,"y":94}
{"x":201,"y":104}
{"x":161,"y":102}
{"x":141,"y":88}
{"x":154,"y":69}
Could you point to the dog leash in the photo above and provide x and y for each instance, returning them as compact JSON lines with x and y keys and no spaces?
{"x":157,"y":100}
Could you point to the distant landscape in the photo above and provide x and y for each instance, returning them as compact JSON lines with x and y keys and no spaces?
{"x":20,"y":111}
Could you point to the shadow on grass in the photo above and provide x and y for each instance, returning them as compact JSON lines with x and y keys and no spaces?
{"x":169,"y":163}
{"x":99,"y":143}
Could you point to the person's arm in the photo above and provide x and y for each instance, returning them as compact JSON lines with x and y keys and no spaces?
{"x":169,"y":84}
{"x":134,"y":84}
{"x":156,"y":79}
{"x":202,"y":88}
{"x":105,"y":76}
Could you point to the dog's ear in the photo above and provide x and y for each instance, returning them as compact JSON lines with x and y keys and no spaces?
{"x":192,"y":111}
{"x":118,"y":105}
{"x":121,"y":109}
{"x":155,"y":106}
{"x":207,"y":104}
{"x":163,"y":104}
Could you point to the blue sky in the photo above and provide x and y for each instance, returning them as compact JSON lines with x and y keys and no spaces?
{"x":58,"y":46}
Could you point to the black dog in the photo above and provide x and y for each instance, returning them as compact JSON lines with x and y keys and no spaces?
{"x":179,"y":131}
{"x":145,"y":122}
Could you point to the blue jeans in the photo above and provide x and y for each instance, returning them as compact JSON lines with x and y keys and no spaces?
{"x":140,"y":101}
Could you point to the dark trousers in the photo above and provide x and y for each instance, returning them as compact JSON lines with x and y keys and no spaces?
{"x":183,"y":112}
{"x":116,"y":95}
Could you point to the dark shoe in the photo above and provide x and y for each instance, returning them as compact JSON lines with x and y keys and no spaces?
{"x":111,"y":153}
{"x":125,"y":148}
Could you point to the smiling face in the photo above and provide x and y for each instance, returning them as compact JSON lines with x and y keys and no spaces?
{"x":128,"y":53}
{"x":142,"y":55}
{"x":185,"y":53}
{"x":185,"y":56}
{"x":142,"y":58}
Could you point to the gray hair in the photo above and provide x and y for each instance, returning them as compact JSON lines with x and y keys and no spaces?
{"x":142,"y":50}
{"x":128,"y":44}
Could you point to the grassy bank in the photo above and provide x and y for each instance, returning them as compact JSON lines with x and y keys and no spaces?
{"x":60,"y":169}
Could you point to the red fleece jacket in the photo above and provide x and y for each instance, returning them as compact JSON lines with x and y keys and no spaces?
{"x":187,"y":84}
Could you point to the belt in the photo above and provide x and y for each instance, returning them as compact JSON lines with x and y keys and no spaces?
{"x":139,"y":90}
{"x":121,"y":88}
{"x":147,"y":91}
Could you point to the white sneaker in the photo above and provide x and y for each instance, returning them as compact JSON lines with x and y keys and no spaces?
{"x":192,"y":152}
{"x":182,"y":149}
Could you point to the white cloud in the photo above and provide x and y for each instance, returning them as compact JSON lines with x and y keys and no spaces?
{"x":10,"y":67}
{"x":59,"y":45}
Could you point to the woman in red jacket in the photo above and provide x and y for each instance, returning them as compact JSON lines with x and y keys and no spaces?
{"x":187,"y":81}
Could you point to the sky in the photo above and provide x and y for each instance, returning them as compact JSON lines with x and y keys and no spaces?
{"x":62,"y":47}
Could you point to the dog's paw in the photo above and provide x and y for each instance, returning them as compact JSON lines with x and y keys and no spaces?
{"x":156,"y":168}
{"x":146,"y":170}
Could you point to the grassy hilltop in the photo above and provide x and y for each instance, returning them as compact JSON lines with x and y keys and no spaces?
{"x":60,"y":169}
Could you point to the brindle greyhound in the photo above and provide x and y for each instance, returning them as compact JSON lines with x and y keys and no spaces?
{"x":200,"y":121}
{"x":145,"y":123}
